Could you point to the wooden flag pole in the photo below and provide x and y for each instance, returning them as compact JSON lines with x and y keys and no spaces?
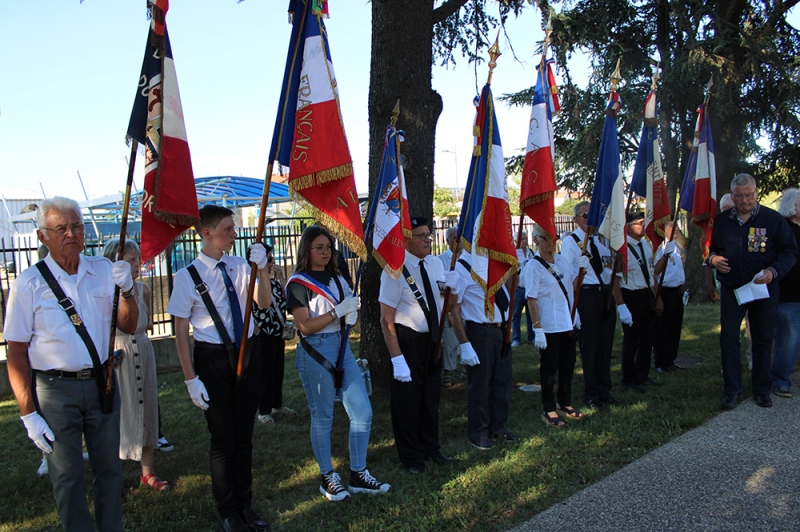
{"x":123,"y":229}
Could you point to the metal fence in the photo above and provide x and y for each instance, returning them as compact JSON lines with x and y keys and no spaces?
{"x":20,"y":253}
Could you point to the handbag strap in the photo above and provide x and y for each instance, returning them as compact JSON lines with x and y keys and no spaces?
{"x":202,"y":289}
{"x":68,"y":306}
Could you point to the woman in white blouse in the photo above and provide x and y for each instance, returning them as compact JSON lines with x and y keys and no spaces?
{"x":550,"y":294}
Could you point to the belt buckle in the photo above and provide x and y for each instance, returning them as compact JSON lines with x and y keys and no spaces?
{"x":84,"y":374}
{"x":66,"y":304}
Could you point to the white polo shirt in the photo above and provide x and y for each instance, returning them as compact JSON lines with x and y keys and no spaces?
{"x":555,"y":311}
{"x":397,"y":294}
{"x":471,"y":296}
{"x":674,"y":275}
{"x":187,"y":303}
{"x":636,"y":279}
{"x":571,"y":250}
{"x":34,"y":316}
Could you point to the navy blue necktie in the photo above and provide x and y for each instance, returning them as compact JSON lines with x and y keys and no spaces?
{"x":233,"y":299}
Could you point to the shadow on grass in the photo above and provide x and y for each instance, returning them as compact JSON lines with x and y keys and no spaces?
{"x":487,"y":490}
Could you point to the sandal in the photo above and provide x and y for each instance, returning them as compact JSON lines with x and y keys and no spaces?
{"x":284,"y":410}
{"x":154,"y":482}
{"x":569,"y":412}
{"x":447,"y":381}
{"x":553,"y":421}
{"x":266,"y":419}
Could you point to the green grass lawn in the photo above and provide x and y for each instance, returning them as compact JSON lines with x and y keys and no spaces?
{"x":488,"y":490}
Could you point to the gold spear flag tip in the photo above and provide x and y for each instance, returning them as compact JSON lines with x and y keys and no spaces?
{"x":494,"y":53}
{"x":616,"y":77}
{"x":395,"y":112}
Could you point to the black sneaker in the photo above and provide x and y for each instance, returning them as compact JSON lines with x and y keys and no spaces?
{"x":164,"y":445}
{"x":331,"y":487}
{"x":363,"y":482}
{"x":484,"y":443}
{"x":764,"y":401}
{"x":505,"y":434}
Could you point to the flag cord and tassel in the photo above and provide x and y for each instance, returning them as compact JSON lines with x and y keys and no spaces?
{"x":123,"y":229}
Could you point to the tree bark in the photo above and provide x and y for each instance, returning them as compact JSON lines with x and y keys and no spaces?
{"x":401,"y":68}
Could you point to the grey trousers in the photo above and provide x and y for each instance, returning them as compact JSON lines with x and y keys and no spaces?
{"x":72,"y":407}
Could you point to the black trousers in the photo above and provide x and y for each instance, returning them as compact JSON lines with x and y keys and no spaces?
{"x":488,"y":383}
{"x":668,"y":327}
{"x":272,"y":350}
{"x":230,"y":416}
{"x":598,"y":324}
{"x":415,"y":404}
{"x":637,"y":340}
{"x":559,"y":356}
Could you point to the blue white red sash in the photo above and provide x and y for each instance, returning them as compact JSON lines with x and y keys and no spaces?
{"x":313,"y":285}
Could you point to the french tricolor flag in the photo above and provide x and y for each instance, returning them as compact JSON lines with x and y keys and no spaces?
{"x":388,"y":215}
{"x":309,"y":135}
{"x":648,"y":177}
{"x":169,"y":200}
{"x":607,"y":211}
{"x":699,"y":189}
{"x":485,"y":222}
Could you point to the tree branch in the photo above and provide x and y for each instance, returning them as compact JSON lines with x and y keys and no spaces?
{"x":447,"y":9}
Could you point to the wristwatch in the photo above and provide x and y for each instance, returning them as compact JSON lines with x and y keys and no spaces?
{"x":333,"y":314}
{"x":127,"y":294}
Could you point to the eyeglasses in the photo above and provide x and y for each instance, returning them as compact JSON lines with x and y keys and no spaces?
{"x":584,"y":215}
{"x":740,"y":197}
{"x":270,"y":260}
{"x":61,"y":230}
{"x":423,"y":236}
{"x":322,"y":249}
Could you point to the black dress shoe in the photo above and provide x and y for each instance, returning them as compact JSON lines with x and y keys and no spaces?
{"x":506,"y":434}
{"x":651,"y":382}
{"x":232,"y":523}
{"x":593,"y":403}
{"x":764,"y":401}
{"x":634,"y":388}
{"x":253,"y":521}
{"x":442,"y":459}
{"x":730,"y":401}
{"x":611,"y":401}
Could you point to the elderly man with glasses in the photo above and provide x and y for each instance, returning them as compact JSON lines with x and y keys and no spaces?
{"x":57,"y":362}
{"x":751,"y":243}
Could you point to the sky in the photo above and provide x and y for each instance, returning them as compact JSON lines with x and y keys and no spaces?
{"x":68,"y":74}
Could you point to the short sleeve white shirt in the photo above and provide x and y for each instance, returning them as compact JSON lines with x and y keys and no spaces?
{"x":446,"y":257}
{"x":674,"y":276}
{"x":636,"y":279}
{"x":555,"y":311}
{"x":396,"y":293}
{"x":571,"y":250}
{"x":34,"y":316}
{"x":187,"y":303}
{"x":471,"y":297}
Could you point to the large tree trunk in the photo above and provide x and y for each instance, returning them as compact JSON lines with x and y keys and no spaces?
{"x":401,"y":68}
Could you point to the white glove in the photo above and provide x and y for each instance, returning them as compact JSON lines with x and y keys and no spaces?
{"x":669,"y":248}
{"x":351,"y":318}
{"x":539,"y":340}
{"x":348,"y":306}
{"x":258,"y":255}
{"x":521,"y":259}
{"x":468,"y":355}
{"x":583,"y":263}
{"x":400,"y":369}
{"x":198,"y":393}
{"x":452,"y":280}
{"x":37,"y":427}
{"x":625,"y":315}
{"x":576,"y":323}
{"x":121,"y":275}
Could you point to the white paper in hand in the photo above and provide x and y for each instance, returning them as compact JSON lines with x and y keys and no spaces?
{"x":751,"y":291}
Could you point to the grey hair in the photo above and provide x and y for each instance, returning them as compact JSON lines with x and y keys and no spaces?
{"x":742,"y":180}
{"x":727,"y":199}
{"x":538,"y":231}
{"x":580,"y":205}
{"x":57,"y":202}
{"x":450,"y":233}
{"x":111,"y":248}
{"x":788,"y":206}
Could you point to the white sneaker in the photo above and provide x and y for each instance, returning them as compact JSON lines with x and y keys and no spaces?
{"x":266,"y":419}
{"x":163,"y":445}
{"x":42,"y":471}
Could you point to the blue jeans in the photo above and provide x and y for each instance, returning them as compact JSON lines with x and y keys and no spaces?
{"x":787,"y":343}
{"x":519,"y":304}
{"x":320,"y":392}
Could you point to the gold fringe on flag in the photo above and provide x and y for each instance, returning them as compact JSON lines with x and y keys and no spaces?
{"x":536,"y":199}
{"x":347,"y":237}
{"x":320,"y":178}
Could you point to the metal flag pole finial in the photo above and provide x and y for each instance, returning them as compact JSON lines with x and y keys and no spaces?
{"x":395,"y":112}
{"x":616,"y":77}
{"x":656,"y":76}
{"x":494,"y":53}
